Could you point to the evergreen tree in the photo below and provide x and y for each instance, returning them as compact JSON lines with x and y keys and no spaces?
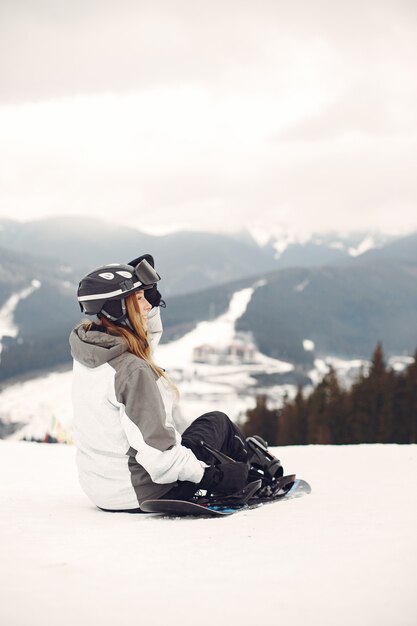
{"x":293,"y":422}
{"x":380,"y":407}
{"x":336,"y":416}
{"x":369,"y":402}
{"x":262,"y":421}
{"x":408,"y":425}
{"x":401,"y":410}
{"x":318,"y":431}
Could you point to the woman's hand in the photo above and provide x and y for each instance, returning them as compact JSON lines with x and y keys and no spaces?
{"x":225,"y":478}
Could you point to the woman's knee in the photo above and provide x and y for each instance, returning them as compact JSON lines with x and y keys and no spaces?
{"x":215,"y":415}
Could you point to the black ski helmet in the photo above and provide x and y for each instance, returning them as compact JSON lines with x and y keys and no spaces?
{"x":103,"y":291}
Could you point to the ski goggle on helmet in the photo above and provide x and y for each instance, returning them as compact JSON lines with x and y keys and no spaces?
{"x":103,"y":291}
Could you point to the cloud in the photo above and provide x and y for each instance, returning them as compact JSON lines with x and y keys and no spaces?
{"x":210,"y":114}
{"x":57,"y":49}
{"x":53,"y":48}
{"x":134,"y":159}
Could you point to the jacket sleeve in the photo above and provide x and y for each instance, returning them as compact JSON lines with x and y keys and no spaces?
{"x":154,"y":327}
{"x":157,"y":443}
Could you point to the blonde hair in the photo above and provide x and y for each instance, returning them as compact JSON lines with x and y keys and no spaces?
{"x":137,"y":342}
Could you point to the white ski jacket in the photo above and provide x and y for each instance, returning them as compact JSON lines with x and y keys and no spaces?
{"x":128,"y":448}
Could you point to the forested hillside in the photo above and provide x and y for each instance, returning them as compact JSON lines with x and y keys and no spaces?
{"x":43,"y":318}
{"x":381,"y":407}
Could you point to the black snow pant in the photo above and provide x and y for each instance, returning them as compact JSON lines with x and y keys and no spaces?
{"x":217,"y":431}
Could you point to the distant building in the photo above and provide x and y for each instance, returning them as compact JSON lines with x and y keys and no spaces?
{"x":240,"y":350}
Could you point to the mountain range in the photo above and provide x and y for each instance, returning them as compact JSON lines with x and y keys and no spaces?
{"x":322,"y":289}
{"x":187,"y":261}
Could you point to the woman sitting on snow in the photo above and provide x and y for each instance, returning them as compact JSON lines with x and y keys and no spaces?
{"x":128,"y":447}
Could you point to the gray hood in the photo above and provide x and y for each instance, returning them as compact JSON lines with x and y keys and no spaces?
{"x":94,"y":348}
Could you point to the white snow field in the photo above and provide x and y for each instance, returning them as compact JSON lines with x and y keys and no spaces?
{"x":344,"y":555}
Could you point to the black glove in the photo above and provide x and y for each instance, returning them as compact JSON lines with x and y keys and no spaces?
{"x":225,"y":478}
{"x":154,"y":297}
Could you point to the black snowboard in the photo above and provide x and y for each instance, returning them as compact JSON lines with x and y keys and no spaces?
{"x":179,"y":508}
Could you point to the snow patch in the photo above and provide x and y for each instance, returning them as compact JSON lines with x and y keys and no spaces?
{"x":347,"y":370}
{"x":43,"y":405}
{"x":308,"y":345}
{"x":318,"y":372}
{"x":261,"y":283}
{"x":366,"y":244}
{"x":7,"y":325}
{"x":280,"y":245}
{"x":400,"y":363}
{"x":280,"y":236}
{"x":337,"y":245}
{"x":301,"y":286}
{"x":262,"y":237}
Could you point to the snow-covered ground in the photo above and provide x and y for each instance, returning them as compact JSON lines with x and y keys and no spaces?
{"x":42,"y":405}
{"x":345,"y":555}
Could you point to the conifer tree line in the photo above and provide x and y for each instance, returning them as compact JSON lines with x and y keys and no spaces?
{"x":380,"y":407}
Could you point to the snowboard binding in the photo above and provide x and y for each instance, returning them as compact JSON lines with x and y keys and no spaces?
{"x":266,"y":474}
{"x":265,"y":466}
{"x":262,"y":463}
{"x":235,"y":500}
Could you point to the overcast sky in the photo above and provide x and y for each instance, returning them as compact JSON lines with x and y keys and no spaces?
{"x":212,"y":114}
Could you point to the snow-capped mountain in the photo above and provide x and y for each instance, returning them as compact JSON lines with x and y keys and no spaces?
{"x":327,"y":288}
{"x":291,"y":248}
{"x":188,"y":261}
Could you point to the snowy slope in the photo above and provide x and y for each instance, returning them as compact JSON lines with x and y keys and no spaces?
{"x":7,"y":325}
{"x":44,"y":404}
{"x":345,"y":555}
{"x":205,"y":386}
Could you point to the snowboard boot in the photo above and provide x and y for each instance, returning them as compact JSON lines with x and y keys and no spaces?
{"x":264,"y":466}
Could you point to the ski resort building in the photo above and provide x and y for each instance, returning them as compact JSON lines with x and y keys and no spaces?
{"x":237,"y":352}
